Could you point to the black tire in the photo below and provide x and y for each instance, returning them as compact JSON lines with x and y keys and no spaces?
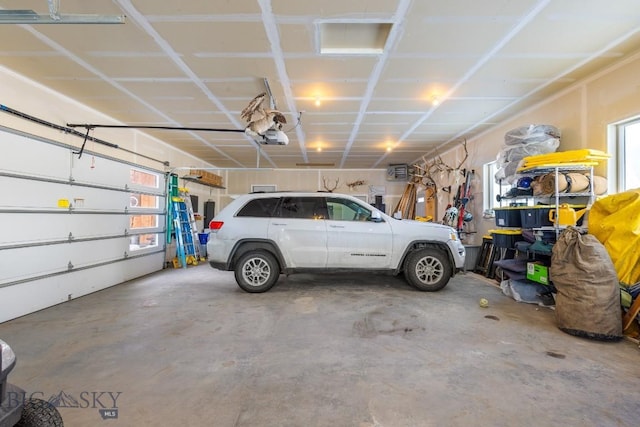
{"x":428,"y":269}
{"x":257,"y":271}
{"x":39,"y":413}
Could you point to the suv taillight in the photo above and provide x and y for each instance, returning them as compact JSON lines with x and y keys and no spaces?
{"x":215,"y":225}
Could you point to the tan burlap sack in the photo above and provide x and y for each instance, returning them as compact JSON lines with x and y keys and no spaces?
{"x":588,"y":298}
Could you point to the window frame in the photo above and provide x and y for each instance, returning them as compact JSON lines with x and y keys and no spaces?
{"x":490,"y":186}
{"x":139,"y":191}
{"x":620,"y":153}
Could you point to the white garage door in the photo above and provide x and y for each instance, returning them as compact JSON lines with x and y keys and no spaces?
{"x":70,"y":226}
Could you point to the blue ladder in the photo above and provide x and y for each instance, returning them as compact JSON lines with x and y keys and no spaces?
{"x":186,"y":252}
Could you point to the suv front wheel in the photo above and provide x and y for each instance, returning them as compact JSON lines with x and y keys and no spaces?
{"x":257,"y":271}
{"x":428,"y":269}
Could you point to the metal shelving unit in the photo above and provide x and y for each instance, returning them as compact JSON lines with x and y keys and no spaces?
{"x":558,"y":195}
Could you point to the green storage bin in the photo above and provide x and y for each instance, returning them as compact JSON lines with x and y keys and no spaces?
{"x":538,"y":273}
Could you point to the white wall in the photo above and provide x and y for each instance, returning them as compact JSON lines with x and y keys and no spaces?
{"x":239,"y":182}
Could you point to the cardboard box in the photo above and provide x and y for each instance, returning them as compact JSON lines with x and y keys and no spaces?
{"x":207,"y":177}
{"x":538,"y":273}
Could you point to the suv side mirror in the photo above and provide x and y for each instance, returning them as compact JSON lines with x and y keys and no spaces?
{"x":375,"y":216}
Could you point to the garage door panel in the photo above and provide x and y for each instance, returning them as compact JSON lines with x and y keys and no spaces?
{"x":35,"y":295}
{"x":20,"y":263}
{"x":103,"y":171}
{"x":63,"y":214}
{"x":29,"y":194}
{"x":27,"y":156}
{"x":47,"y":227}
{"x":21,"y":193}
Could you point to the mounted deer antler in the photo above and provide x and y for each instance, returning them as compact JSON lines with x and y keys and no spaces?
{"x":326,"y":187}
{"x":355,"y":184}
{"x":428,"y":169}
{"x":426,"y":173}
{"x":438,"y":165}
{"x":466,"y":156}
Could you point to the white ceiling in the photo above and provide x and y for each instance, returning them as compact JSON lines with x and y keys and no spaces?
{"x":197,"y":63}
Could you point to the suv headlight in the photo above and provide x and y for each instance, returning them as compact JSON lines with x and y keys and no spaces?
{"x":8,"y":356}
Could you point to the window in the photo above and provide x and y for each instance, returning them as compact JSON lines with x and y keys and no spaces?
{"x":303,"y":207}
{"x":143,"y":221}
{"x":347,"y":210}
{"x":137,"y":200}
{"x":628,"y":152}
{"x":263,"y":188}
{"x":142,"y":241}
{"x":491,"y":188}
{"x":260,"y":208}
{"x":140,"y":203}
{"x":144,"y":179}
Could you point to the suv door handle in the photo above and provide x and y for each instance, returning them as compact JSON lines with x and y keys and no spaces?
{"x":336,"y":226}
{"x":279,"y":223}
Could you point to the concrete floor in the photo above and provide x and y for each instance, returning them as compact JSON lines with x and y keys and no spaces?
{"x":189,"y":348}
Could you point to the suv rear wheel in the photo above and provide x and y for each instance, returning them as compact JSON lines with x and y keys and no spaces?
{"x":257,"y":271}
{"x":428,"y":269}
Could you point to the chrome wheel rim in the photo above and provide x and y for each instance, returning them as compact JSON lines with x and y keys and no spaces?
{"x":429,"y":270}
{"x":256,"y":271}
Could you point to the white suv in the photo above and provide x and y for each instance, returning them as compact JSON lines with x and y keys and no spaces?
{"x":261,"y":235}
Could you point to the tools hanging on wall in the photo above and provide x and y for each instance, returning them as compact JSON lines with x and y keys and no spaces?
{"x":457,"y":214}
{"x":461,"y":200}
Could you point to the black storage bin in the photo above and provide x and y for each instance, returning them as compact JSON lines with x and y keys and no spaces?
{"x":508,"y":217}
{"x":506,"y":238}
{"x":538,"y":216}
{"x":535,"y":217}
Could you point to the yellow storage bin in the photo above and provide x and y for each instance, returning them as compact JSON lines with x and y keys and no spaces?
{"x":506,"y":238}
